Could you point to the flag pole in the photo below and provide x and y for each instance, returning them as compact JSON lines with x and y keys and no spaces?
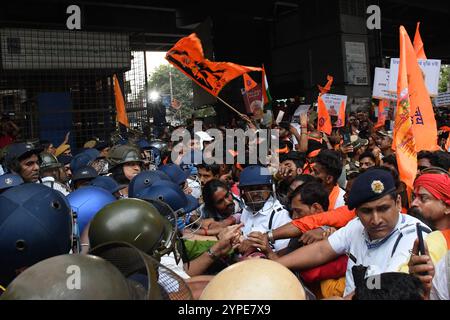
{"x":243,"y":116}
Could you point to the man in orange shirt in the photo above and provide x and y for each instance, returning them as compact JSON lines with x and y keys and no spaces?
{"x":328,"y":168}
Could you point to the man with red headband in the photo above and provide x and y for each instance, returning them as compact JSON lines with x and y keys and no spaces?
{"x":432,"y":206}
{"x":432,"y":202}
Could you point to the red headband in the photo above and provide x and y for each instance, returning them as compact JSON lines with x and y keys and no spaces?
{"x":436,"y":184}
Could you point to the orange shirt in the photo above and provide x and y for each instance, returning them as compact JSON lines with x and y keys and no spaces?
{"x":333,"y":197}
{"x":335,"y":218}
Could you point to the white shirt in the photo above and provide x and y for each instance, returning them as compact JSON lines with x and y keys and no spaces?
{"x":52,"y":183}
{"x":168,"y":261}
{"x":381,"y":256}
{"x":441,"y":286}
{"x":259,"y":222}
{"x":2,"y":172}
{"x":195,"y":187}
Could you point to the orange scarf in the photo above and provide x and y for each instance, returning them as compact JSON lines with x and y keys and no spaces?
{"x":333,"y":197}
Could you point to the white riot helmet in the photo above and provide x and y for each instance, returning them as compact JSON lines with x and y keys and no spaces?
{"x":257,"y":279}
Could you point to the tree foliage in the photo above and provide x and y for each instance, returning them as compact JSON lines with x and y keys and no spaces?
{"x":181,"y":85}
{"x":445,"y":78}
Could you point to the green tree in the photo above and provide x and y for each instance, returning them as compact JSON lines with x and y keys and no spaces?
{"x":445,"y":78}
{"x":181,"y":85}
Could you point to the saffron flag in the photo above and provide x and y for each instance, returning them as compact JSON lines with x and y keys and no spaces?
{"x":187,"y":56}
{"x":249,"y":83}
{"x":327,"y":87}
{"x":120,"y":104}
{"x":404,"y":141}
{"x":418,"y":44}
{"x":336,"y":107}
{"x":342,"y":115}
{"x":323,"y":117}
{"x":382,"y":114}
{"x":265,"y":85}
{"x":422,"y":114}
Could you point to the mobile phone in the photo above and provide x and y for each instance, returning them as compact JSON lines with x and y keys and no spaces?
{"x":421,"y":244}
{"x":346,"y":136}
{"x":420,"y":237}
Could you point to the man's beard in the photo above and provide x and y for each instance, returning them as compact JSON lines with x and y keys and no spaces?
{"x":417,"y":213}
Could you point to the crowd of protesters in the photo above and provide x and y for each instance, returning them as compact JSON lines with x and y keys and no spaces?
{"x":333,"y":209}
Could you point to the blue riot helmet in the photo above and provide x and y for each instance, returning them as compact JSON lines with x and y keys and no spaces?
{"x":86,"y":202}
{"x":171,"y":194}
{"x":175,"y":173}
{"x":80,"y":160}
{"x":144,"y":180}
{"x":256,"y":185}
{"x":107,"y":183}
{"x":92,"y":153}
{"x":35,"y":224}
{"x":10,"y":180}
{"x":143,"y":144}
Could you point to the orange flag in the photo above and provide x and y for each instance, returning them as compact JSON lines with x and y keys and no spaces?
{"x":324,"y":120}
{"x":327,"y":87}
{"x":342,"y":115}
{"x":404,"y":142}
{"x":422,"y":114}
{"x":382,"y":105}
{"x":265,"y":87}
{"x":249,"y":84}
{"x":120,"y":104}
{"x":418,"y":44}
{"x":187,"y":56}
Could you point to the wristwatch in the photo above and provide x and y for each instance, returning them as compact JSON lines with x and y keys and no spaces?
{"x":212,"y":255}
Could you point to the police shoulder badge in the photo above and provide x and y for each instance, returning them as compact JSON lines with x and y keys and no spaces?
{"x":377,"y":187}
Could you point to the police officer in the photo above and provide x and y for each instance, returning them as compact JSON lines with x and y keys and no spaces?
{"x":83,"y":177}
{"x":9,"y":180}
{"x":140,"y":223}
{"x":145,"y":180}
{"x":53,"y":174}
{"x":381,"y":239}
{"x":114,"y":271}
{"x":125,"y":162}
{"x":257,"y":279}
{"x":49,"y":279}
{"x":35,"y":224}
{"x":262,"y":212}
{"x":23,"y":159}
